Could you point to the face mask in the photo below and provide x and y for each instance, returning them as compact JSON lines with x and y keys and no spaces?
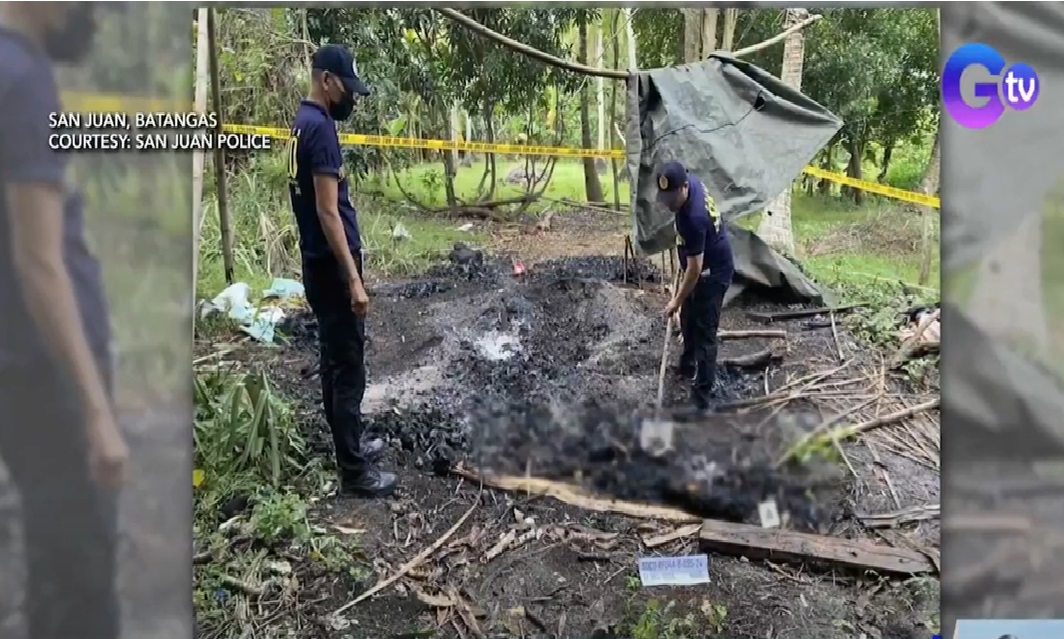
{"x":72,"y":42}
{"x":341,"y":110}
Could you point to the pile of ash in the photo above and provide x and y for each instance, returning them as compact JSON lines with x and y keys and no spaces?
{"x":713,"y":466}
{"x":557,"y":369}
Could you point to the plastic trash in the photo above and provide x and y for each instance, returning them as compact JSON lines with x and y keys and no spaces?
{"x":284,"y":289}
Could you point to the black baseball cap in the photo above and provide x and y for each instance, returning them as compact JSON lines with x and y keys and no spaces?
{"x":672,"y":176}
{"x":337,"y":60}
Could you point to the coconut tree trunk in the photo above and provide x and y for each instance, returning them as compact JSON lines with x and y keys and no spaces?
{"x":709,"y":31}
{"x":727,"y":40}
{"x":775,"y":227}
{"x":692,"y":34}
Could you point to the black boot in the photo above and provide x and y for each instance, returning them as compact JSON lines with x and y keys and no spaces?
{"x":373,"y":448}
{"x":371,"y":483}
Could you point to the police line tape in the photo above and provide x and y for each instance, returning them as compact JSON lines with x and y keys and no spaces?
{"x":93,"y":102}
{"x":360,"y":139}
{"x":875,"y":187}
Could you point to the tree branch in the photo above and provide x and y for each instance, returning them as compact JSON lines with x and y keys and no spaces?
{"x":583,"y":69}
{"x":753,"y":48}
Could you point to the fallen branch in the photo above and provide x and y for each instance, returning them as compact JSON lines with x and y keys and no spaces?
{"x":574,"y":496}
{"x":680,"y":533}
{"x":757,"y":360}
{"x":900,"y":517}
{"x":840,"y":433}
{"x":891,"y":418}
{"x":767,"y":317}
{"x":413,"y":563}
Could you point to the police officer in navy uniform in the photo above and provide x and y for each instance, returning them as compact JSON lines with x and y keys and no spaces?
{"x":59,"y":436}
{"x":331,"y":249}
{"x":707,"y":266}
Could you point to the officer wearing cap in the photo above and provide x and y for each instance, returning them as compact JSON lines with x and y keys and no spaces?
{"x":331,"y":250}
{"x":708,"y":267}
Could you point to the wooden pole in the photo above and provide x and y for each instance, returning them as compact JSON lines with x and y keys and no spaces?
{"x":219,"y":154}
{"x":199,"y":157}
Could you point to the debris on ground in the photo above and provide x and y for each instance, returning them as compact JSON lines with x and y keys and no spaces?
{"x":496,"y":391}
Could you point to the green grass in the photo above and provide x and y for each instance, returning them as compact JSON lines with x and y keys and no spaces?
{"x":852,"y":247}
{"x":425,"y":182}
{"x":837,"y":242}
{"x":265,"y":239}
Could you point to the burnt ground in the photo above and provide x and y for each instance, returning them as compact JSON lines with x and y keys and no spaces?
{"x":551,"y":375}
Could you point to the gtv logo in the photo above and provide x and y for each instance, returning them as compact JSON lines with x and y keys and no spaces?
{"x":1018,"y":87}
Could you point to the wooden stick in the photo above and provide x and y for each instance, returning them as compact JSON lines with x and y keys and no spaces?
{"x":770,"y":333}
{"x":575,"y":496}
{"x":219,"y":152}
{"x":665,"y":351}
{"x":413,"y":563}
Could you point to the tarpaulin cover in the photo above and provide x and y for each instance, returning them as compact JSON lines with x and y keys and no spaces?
{"x":743,"y":132}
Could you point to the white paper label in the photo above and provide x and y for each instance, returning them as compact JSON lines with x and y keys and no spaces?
{"x":674,"y":571}
{"x":769,"y":513}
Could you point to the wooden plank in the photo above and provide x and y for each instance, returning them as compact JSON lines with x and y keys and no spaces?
{"x":757,"y":542}
{"x":805,"y":312}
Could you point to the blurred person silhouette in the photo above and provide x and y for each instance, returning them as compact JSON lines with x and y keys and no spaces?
{"x":58,"y":437}
{"x":331,"y":249}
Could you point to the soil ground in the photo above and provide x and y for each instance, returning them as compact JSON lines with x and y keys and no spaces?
{"x":541,"y":374}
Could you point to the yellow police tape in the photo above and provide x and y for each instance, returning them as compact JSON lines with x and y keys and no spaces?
{"x":86,"y":102}
{"x":875,"y":187}
{"x":359,"y":139}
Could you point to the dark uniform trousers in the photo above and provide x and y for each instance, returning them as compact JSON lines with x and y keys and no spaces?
{"x":70,"y":523}
{"x":342,"y":344}
{"x":699,"y":321}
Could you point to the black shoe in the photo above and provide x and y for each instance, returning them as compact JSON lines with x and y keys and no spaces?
{"x":373,"y":483}
{"x":373,"y":448}
{"x":684,"y":371}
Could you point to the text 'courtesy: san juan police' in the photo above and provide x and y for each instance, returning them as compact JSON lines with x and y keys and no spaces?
{"x":162,"y":131}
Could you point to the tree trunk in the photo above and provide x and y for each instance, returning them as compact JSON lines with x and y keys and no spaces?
{"x":449,"y":167}
{"x":853,"y":169}
{"x":709,"y":31}
{"x":824,"y":188}
{"x":629,"y":30}
{"x":776,"y":226}
{"x":888,"y":153}
{"x":489,"y":134}
{"x":930,"y":182}
{"x":592,"y":186}
{"x":600,"y":88}
{"x":727,"y":40}
{"x":929,"y":185}
{"x":692,"y":34}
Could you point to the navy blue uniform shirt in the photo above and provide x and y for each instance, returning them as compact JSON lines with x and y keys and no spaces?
{"x":28,"y":94}
{"x":315,"y":150}
{"x":700,"y":231}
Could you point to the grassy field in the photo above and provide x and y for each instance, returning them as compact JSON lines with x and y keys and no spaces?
{"x":425,"y":182}
{"x":839,"y":243}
